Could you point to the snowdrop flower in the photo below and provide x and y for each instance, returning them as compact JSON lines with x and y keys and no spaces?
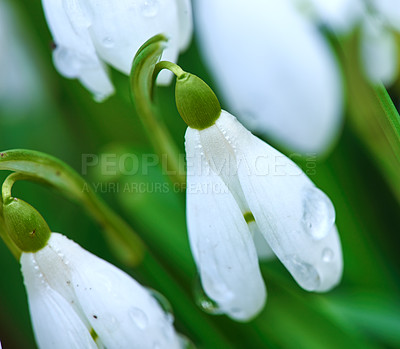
{"x":274,"y":70}
{"x":78,"y":300}
{"x":90,"y":33}
{"x":241,"y":191}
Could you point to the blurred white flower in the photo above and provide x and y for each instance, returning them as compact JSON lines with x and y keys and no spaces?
{"x":380,"y":24}
{"x":90,"y":33}
{"x":379,"y":47}
{"x":274,"y":69}
{"x":78,"y":300}
{"x":340,"y":16}
{"x":242,"y":192}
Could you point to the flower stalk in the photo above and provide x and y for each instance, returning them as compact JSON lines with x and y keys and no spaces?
{"x":142,"y":86}
{"x":43,"y":168}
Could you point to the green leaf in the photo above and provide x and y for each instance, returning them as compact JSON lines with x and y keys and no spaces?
{"x":373,"y":116}
{"x":376,"y":314}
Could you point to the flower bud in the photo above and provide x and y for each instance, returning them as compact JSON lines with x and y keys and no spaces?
{"x":196,"y":102}
{"x":25,"y":226}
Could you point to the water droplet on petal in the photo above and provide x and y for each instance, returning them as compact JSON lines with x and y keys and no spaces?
{"x":139,"y":318}
{"x":150,"y":8}
{"x":223,"y":292}
{"x":67,"y":62}
{"x":185,"y":343}
{"x":250,"y":119}
{"x":99,"y":97}
{"x":238,"y":313}
{"x":318,"y":214}
{"x":169,"y":317}
{"x":164,"y":303}
{"x":107,"y":42}
{"x":108,"y":281}
{"x":327,"y":255}
{"x":167,"y":329}
{"x":208,"y":305}
{"x":110,"y":322}
{"x":203,"y":301}
{"x":304,"y":273}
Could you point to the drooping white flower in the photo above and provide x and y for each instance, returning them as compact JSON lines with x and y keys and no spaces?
{"x":78,"y":300}
{"x":90,"y":33}
{"x":274,"y":69}
{"x":241,"y":191}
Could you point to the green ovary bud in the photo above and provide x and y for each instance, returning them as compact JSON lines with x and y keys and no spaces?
{"x":25,"y":226}
{"x":196,"y":102}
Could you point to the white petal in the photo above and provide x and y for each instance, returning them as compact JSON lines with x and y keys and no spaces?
{"x":379,"y":52}
{"x":220,"y":240}
{"x":185,"y":23}
{"x":295,"y":217}
{"x":69,"y":22}
{"x":75,"y":55}
{"x":119,"y":28}
{"x":222,"y":161}
{"x":97,"y":81}
{"x":55,"y":323}
{"x":274,"y":70}
{"x":88,"y":69}
{"x":121,"y":311}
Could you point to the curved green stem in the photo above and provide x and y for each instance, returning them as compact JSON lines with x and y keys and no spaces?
{"x":143,"y":70}
{"x":40,"y":167}
{"x":9,"y":182}
{"x":174,"y":68}
{"x":6,"y":194}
